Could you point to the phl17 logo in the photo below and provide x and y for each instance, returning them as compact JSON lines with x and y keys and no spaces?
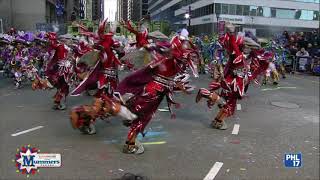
{"x":28,"y":160}
{"x":293,"y":160}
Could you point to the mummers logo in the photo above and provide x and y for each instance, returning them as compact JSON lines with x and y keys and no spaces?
{"x":28,"y":160}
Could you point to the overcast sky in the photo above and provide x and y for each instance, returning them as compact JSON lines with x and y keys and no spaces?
{"x":110,"y":8}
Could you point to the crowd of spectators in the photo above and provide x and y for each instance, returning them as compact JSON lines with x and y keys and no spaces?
{"x":303,"y":47}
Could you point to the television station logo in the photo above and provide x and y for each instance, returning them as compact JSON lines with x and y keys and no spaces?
{"x":28,"y":160}
{"x":293,"y":160}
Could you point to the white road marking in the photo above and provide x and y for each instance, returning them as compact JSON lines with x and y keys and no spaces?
{"x":26,"y":131}
{"x":163,"y":110}
{"x":236,"y":128}
{"x":213,"y":171}
{"x":238,"y":107}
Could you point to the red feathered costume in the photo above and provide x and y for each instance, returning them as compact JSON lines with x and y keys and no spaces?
{"x":237,"y":74}
{"x":105,"y":72}
{"x":59,"y":70}
{"x":142,"y":91}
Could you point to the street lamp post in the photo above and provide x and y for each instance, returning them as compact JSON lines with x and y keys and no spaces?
{"x":188,"y":17}
{"x":189,"y":12}
{"x":252,"y":22}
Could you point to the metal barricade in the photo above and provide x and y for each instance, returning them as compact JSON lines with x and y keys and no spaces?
{"x":296,"y":64}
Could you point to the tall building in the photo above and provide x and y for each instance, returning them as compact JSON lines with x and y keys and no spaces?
{"x":97,"y":9}
{"x":138,"y":9}
{"x":122,"y":10}
{"x":25,"y":16}
{"x":165,"y":10}
{"x":133,"y":10}
{"x":93,"y":9}
{"x":39,"y":13}
{"x":263,"y":17}
{"x":72,"y":9}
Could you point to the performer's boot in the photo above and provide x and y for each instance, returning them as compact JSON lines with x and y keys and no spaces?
{"x":58,"y":105}
{"x":133,"y":146}
{"x":39,"y":83}
{"x":35,"y":84}
{"x":45,"y":84}
{"x":81,"y":118}
{"x":218,"y":122}
{"x":17,"y":84}
{"x":265,"y":80}
{"x":62,"y":106}
{"x":275,"y":77}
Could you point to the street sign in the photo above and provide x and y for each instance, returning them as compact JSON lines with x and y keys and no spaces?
{"x":206,"y":19}
{"x":233,"y":19}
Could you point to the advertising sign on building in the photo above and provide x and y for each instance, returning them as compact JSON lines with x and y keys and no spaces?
{"x":233,"y":19}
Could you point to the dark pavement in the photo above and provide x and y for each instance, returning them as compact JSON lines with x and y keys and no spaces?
{"x":182,"y":148}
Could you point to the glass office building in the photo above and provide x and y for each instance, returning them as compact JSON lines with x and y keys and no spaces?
{"x":263,"y":17}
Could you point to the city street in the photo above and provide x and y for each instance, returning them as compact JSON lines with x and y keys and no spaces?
{"x":270,"y":122}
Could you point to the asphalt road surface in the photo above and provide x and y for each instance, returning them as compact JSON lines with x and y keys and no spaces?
{"x":269,"y":123}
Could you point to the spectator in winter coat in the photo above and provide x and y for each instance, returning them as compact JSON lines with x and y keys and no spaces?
{"x":302,"y":53}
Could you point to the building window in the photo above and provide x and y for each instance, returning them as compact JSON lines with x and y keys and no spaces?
{"x":239,"y":10}
{"x":260,"y":11}
{"x":224,"y":9}
{"x":207,"y":10}
{"x":266,"y":12}
{"x":211,"y":9}
{"x":232,"y":9}
{"x":316,"y":15}
{"x":217,"y":8}
{"x":307,"y":15}
{"x":273,"y":12}
{"x":253,"y":10}
{"x":287,"y":13}
{"x":144,"y":12}
{"x":263,"y":11}
{"x":144,"y":6}
{"x":309,"y":1}
{"x":246,"y":10}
